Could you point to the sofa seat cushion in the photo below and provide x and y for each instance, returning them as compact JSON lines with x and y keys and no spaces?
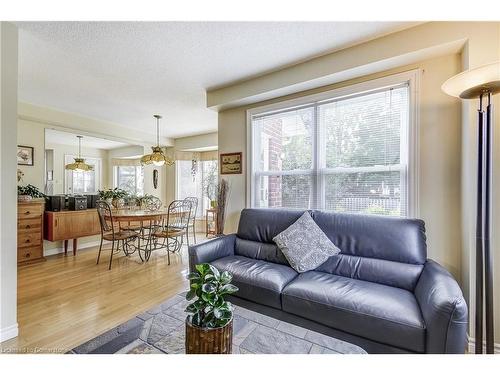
{"x":378,"y":312}
{"x":257,"y":280}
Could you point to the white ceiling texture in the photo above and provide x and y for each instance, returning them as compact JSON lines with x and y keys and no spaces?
{"x":124,"y":72}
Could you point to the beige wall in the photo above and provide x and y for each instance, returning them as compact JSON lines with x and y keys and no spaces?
{"x":478,"y":43}
{"x":440,"y":142}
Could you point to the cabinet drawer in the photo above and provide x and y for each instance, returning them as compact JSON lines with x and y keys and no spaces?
{"x":28,"y":239}
{"x":29,"y":225}
{"x":29,"y":211}
{"x":29,"y":253}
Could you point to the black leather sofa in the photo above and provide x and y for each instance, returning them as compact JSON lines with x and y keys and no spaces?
{"x":380,"y":293}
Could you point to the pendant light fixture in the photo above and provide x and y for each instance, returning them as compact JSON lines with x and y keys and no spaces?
{"x":79,"y":165}
{"x":157,"y":158}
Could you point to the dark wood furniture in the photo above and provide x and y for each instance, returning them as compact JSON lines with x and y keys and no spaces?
{"x":71,"y":225}
{"x":30,"y":231}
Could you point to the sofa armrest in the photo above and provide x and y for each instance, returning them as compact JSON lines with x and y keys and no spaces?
{"x":209,"y":251}
{"x":444,"y":310}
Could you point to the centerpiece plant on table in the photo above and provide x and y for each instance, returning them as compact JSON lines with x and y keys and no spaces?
{"x":114,"y":196}
{"x":209,"y":325}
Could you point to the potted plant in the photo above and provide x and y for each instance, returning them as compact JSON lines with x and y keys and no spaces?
{"x":209,"y":325}
{"x":28,"y":192}
{"x":114,"y":196}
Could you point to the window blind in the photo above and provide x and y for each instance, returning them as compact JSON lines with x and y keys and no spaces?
{"x":346,"y":154}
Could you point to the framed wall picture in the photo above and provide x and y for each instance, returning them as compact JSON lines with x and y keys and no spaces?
{"x":231,"y":163}
{"x":25,"y":155}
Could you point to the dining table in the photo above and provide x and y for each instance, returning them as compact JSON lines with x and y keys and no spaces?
{"x":149,"y":221}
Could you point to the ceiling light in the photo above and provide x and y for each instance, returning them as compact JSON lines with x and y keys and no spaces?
{"x":79,"y":165}
{"x":157,"y":158}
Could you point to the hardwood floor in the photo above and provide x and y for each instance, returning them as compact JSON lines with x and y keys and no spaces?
{"x":68,"y":300}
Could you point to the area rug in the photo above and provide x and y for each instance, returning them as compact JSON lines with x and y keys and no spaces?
{"x":161,"y":330}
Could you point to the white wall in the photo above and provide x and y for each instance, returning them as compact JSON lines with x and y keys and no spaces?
{"x":8,"y":192}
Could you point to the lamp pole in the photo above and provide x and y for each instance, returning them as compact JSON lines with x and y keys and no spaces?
{"x":482,"y":83}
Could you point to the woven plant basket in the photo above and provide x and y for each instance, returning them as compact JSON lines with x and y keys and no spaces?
{"x":209,"y":340}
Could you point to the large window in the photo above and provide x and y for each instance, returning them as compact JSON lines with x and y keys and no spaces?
{"x":198,"y":179}
{"x":129,"y":178}
{"x":83,"y":182}
{"x":348,"y":152}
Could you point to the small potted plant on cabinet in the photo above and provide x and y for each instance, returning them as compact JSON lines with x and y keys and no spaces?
{"x":209,"y":325}
{"x":28,"y":192}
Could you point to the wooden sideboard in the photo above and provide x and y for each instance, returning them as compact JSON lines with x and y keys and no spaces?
{"x":66,"y":225}
{"x":30,"y":231}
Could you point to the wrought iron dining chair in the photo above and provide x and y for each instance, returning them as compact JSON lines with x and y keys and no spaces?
{"x":174,"y":226}
{"x":152,"y":203}
{"x":109,"y":233}
{"x":192,"y":218}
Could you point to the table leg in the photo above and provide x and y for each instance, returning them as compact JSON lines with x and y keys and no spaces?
{"x":75,"y":244}
{"x":65,"y":247}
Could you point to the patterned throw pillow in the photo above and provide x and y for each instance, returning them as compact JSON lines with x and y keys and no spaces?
{"x":304,"y":244}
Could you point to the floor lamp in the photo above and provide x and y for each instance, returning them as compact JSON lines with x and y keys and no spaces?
{"x":482,"y":83}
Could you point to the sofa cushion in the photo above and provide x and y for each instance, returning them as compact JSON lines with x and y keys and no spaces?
{"x":381,"y":271}
{"x":397,"y":239}
{"x":305,"y":245}
{"x":259,"y":250}
{"x":378,"y":312}
{"x":257,"y":280}
{"x":262,"y":225}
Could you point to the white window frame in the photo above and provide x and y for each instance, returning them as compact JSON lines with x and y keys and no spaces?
{"x":115,"y":176}
{"x":410,"y":142}
{"x":68,"y":158}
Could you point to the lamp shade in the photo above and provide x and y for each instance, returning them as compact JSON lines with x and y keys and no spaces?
{"x":79,"y":166}
{"x":474,"y":82}
{"x":157,"y":158}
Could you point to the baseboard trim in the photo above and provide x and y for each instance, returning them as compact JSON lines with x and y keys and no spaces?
{"x":60,"y":250}
{"x":8,"y":333}
{"x":472,"y":346}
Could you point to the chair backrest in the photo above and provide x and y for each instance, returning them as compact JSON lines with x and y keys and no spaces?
{"x":152,"y":203}
{"x":194,"y":206}
{"x":383,"y":249}
{"x":105,"y":216}
{"x":178,"y":214}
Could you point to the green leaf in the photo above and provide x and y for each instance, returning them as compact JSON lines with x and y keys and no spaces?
{"x":228,"y":289}
{"x":202,"y":268}
{"x":193,"y":276}
{"x":209,"y":288}
{"x":225,"y":278}
{"x":214,"y":271}
{"x":191,"y":294}
{"x":210,"y":298}
{"x":191,"y":309}
{"x":218,"y":313}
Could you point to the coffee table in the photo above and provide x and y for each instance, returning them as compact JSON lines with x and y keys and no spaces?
{"x":161,"y":330}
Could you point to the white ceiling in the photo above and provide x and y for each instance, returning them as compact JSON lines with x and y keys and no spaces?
{"x":124,"y":72}
{"x":70,"y":139}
